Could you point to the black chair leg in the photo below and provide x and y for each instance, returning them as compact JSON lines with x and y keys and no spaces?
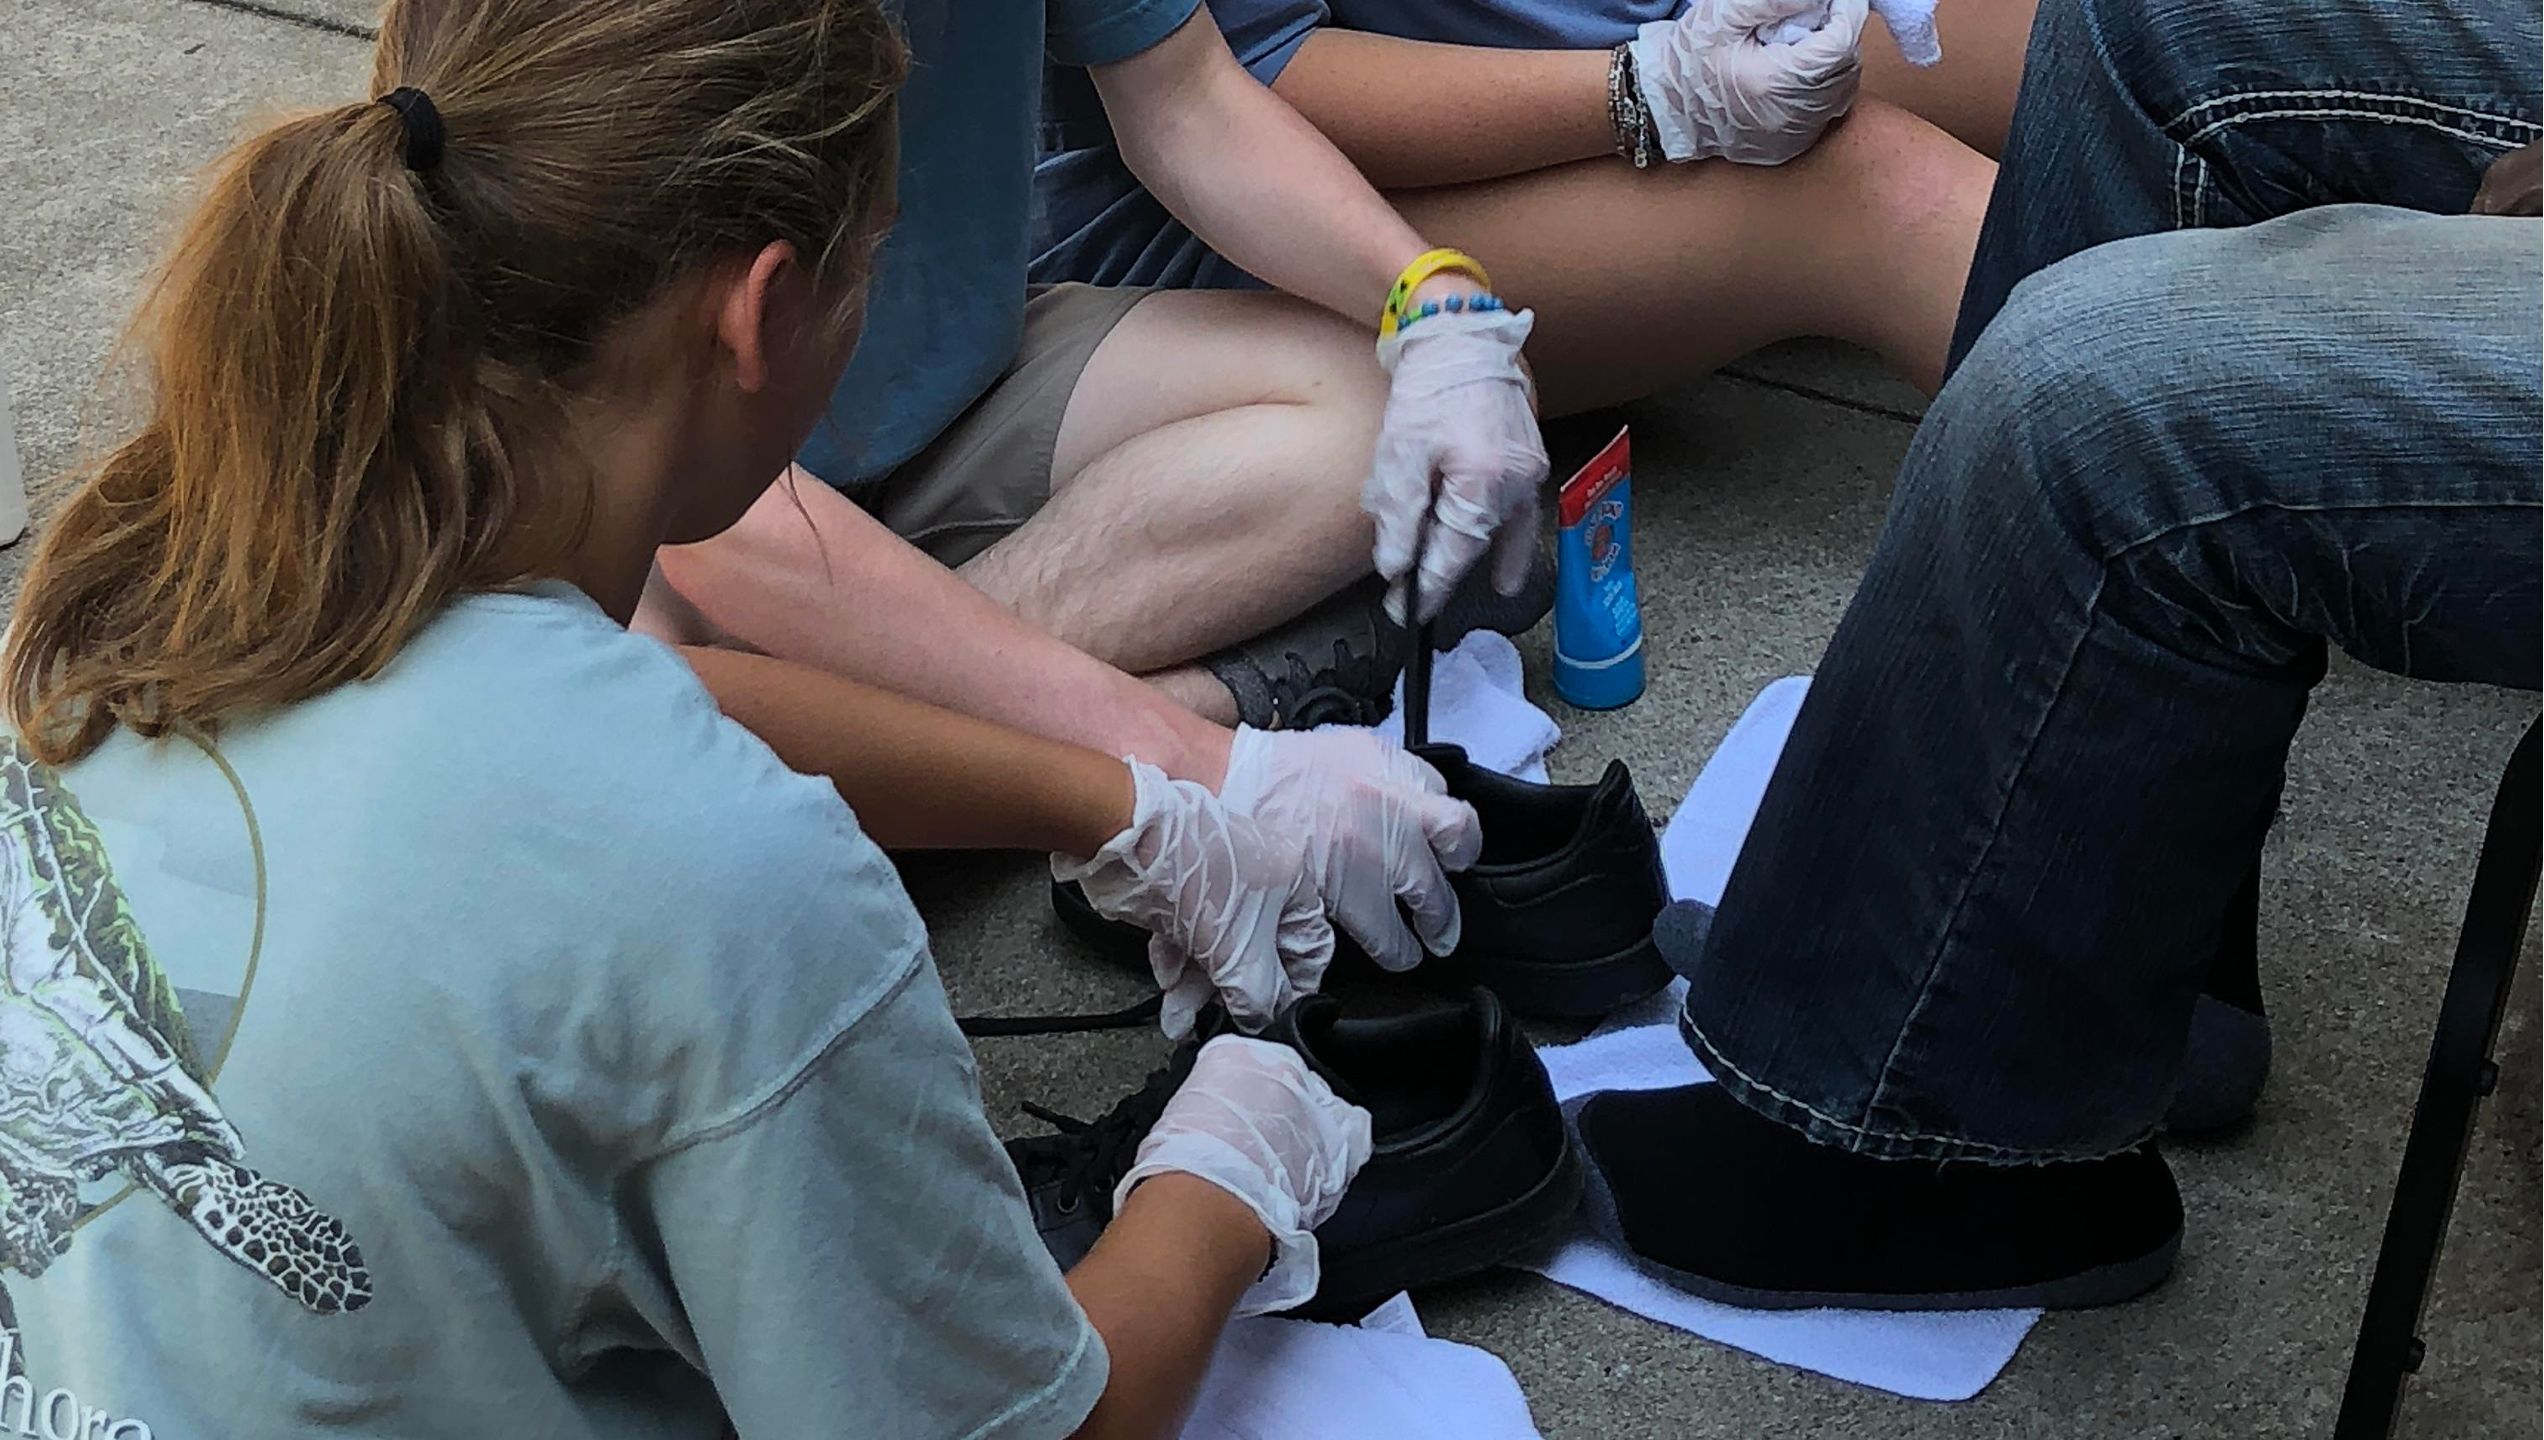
{"x":2460,"y":1073}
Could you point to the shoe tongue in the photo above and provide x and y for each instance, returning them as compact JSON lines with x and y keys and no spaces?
{"x":1304,"y":1028}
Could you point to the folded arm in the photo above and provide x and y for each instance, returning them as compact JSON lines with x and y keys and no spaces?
{"x":1411,"y":113}
{"x":1252,"y":177}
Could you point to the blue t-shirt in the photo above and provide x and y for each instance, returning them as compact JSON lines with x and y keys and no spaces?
{"x":1095,"y":223}
{"x":948,"y":304}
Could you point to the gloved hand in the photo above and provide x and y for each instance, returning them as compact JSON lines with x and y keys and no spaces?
{"x":1253,"y":1120}
{"x":1461,"y":410}
{"x":1377,"y":825}
{"x":1719,"y":80}
{"x":1234,"y":913}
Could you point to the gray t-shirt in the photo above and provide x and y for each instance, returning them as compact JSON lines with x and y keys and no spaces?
{"x":508,"y":1045}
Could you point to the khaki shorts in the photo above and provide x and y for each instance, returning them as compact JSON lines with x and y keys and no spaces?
{"x":991,"y":469}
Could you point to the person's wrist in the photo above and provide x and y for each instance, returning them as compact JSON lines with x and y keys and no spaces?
{"x":1222,"y":1226}
{"x":1444,"y":285}
{"x":1203,"y":751}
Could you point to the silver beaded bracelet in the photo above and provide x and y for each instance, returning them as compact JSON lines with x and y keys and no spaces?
{"x":1627,"y":114}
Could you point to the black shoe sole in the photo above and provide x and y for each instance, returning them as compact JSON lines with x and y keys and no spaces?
{"x":2104,"y":1285}
{"x":1453,"y":1251}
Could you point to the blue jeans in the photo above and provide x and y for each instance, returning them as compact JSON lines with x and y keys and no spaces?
{"x":2041,"y":753}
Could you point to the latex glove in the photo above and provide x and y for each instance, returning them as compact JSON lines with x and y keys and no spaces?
{"x":1377,"y":825}
{"x":1911,"y":24}
{"x":1718,"y":84}
{"x":1458,"y":455}
{"x":1253,"y":1120}
{"x":1234,"y":914}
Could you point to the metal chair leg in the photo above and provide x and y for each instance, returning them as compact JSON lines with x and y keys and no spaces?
{"x":2460,"y":1073}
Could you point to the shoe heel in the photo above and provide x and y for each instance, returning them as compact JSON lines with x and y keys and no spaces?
{"x":1590,"y":990}
{"x":1527,"y":1224}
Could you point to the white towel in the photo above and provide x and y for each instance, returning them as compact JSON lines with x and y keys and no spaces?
{"x":1294,"y":1380}
{"x":1946,"y":1356}
{"x":1479,"y":704}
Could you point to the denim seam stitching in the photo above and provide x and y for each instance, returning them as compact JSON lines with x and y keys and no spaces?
{"x":2495,"y":142}
{"x":1987,"y":854}
{"x":2242,"y":96}
{"x":1714,"y":1060}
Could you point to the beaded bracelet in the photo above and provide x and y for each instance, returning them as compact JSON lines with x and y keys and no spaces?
{"x":1628,"y":116}
{"x":1483,"y":304}
{"x":1415,"y":275}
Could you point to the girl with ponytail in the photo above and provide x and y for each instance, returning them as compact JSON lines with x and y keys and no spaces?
{"x":421,"y":1012}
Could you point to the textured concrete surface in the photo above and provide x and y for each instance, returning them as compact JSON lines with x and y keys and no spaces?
{"x":1761,"y":493}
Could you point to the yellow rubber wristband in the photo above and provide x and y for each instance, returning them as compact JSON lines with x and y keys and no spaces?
{"x":1411,"y":278}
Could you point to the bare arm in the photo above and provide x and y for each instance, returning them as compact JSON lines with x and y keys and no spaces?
{"x":920,"y":777}
{"x":810,"y":576}
{"x":1158,"y":1287}
{"x":1411,"y":113}
{"x":1252,"y":177}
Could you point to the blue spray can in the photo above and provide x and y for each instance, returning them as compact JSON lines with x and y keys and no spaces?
{"x":1598,"y":617}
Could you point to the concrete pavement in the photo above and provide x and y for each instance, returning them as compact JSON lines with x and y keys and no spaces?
{"x":1761,"y":493}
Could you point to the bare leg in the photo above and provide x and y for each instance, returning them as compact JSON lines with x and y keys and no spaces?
{"x":1971,"y":93}
{"x":1205,"y":487}
{"x":1641,"y":279}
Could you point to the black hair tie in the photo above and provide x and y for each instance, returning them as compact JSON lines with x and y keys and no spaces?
{"x":423,"y":126}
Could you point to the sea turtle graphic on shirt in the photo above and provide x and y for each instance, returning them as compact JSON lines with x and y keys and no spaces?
{"x":99,"y":1075}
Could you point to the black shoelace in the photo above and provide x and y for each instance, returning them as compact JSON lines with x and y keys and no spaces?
{"x":1092,"y":1156}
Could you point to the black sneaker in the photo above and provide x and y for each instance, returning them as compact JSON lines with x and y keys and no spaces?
{"x":1716,"y":1200}
{"x":1337,"y":663}
{"x":1470,"y":1163}
{"x":1556,"y":917}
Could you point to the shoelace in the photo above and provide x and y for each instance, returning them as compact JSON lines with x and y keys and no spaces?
{"x":1137,"y":1013}
{"x":1092,"y":1156}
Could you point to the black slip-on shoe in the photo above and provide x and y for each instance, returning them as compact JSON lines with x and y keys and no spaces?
{"x":1470,"y":1163}
{"x":1711,"y":1198}
{"x":1555,"y":917}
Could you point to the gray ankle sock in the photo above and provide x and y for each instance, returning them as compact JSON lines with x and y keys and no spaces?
{"x":2223,"y":1071}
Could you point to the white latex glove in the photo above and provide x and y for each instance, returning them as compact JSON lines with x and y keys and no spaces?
{"x":1724,"y":78}
{"x":1458,"y":454}
{"x":1253,"y":1120}
{"x":1234,"y":914}
{"x":1376,"y":823}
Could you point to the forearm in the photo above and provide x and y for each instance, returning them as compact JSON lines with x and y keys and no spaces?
{"x":1251,"y":177}
{"x":1411,"y":113}
{"x":828,"y":586}
{"x":1158,"y":1287}
{"x":920,"y":777}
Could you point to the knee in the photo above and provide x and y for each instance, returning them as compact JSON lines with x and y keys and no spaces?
{"x":2092,"y":373}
